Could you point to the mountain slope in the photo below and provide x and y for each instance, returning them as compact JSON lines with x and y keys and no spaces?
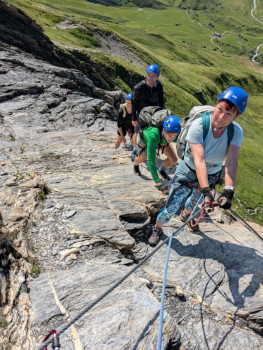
{"x":196,"y":65}
{"x":19,"y":30}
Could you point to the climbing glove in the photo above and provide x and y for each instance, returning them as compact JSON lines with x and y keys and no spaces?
{"x":208,"y":196}
{"x":163,"y":188}
{"x":225,"y":198}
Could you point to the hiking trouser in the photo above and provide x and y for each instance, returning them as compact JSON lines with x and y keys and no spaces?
{"x":126,"y":130}
{"x":182,"y":195}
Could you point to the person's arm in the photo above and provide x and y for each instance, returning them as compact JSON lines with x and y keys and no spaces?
{"x":120,"y":118}
{"x":135,"y":100}
{"x":230,"y":177}
{"x":120,"y":123}
{"x":160,"y":96}
{"x":153,"y":139}
{"x":198,"y":152}
{"x":121,"y":134}
{"x":231,"y":165}
{"x":201,"y":170}
{"x":173,"y":148}
{"x":134,"y":122}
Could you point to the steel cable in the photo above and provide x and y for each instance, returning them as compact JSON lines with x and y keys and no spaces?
{"x":115,"y":285}
{"x":244,"y":223}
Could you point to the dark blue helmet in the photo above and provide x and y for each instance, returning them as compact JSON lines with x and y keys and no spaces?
{"x":129,"y":96}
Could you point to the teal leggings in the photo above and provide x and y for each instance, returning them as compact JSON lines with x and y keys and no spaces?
{"x":183,"y":197}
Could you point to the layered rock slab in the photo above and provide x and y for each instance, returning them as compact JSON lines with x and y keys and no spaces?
{"x":128,"y":318}
{"x":218,"y":274}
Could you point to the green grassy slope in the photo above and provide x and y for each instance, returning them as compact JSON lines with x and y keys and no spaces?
{"x":195,"y":64}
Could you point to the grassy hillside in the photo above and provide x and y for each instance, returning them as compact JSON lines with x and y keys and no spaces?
{"x":196,"y":65}
{"x":156,"y":4}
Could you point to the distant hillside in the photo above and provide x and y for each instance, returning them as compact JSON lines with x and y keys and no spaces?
{"x":106,"y":2}
{"x":140,"y":3}
{"x":19,"y":30}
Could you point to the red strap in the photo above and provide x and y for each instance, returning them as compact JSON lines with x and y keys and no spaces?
{"x":49,"y":334}
{"x":203,"y":212}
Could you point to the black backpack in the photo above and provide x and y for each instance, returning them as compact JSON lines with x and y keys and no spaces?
{"x":154,"y":116}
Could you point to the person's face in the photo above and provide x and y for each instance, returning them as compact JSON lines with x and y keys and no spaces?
{"x":151,"y":78}
{"x":170,"y":136}
{"x":128,"y":104}
{"x":223,"y":115}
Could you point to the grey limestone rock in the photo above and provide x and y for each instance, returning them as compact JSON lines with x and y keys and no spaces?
{"x":74,"y":214}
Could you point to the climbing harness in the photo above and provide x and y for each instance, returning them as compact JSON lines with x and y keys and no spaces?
{"x":173,"y":234}
{"x":175,"y":189}
{"x":55,"y":340}
{"x":115,"y":285}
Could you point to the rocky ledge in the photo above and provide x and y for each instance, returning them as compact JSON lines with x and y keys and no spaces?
{"x":74,"y":220}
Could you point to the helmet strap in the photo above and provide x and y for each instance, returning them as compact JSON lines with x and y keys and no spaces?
{"x":163,"y":134}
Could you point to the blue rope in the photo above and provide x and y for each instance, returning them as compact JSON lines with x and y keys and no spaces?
{"x":159,"y":344}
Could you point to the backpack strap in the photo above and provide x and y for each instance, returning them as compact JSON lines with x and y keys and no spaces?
{"x":206,"y":125}
{"x":122,"y":106}
{"x":230,"y":132}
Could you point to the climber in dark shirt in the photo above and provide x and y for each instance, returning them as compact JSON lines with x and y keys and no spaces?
{"x":124,"y":123}
{"x":148,"y":92}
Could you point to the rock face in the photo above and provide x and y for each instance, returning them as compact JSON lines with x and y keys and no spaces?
{"x":19,"y":30}
{"x":74,"y":221}
{"x":128,"y":314}
{"x":64,"y":204}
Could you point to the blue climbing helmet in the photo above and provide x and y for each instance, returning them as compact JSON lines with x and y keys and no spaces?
{"x":153,"y":68}
{"x":172,"y":124}
{"x":129,"y":96}
{"x":235,"y":95}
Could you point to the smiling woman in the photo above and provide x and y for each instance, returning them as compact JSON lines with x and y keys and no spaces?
{"x":203,"y":161}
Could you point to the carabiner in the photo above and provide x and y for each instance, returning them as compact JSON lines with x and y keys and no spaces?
{"x":55,"y":340}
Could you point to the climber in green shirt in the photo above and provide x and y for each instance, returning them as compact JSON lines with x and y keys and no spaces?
{"x":152,"y":139}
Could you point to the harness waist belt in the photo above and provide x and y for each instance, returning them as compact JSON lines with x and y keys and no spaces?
{"x":193,"y":170}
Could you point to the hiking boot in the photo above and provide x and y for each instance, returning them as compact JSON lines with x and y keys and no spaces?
{"x":134,"y":154}
{"x":128,"y":147}
{"x":155,"y":234}
{"x":136,"y":170}
{"x":163,"y":174}
{"x":184,"y":218}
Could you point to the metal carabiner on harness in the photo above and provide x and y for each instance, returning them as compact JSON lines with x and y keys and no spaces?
{"x":55,"y":340}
